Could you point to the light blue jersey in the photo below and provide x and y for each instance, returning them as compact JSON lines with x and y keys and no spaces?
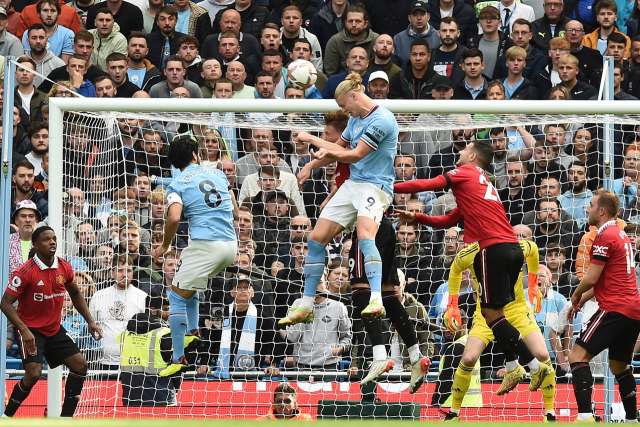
{"x":379,"y":130}
{"x":206,"y":202}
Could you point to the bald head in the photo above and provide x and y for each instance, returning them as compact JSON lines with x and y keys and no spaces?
{"x":230,"y":22}
{"x":574,"y":33}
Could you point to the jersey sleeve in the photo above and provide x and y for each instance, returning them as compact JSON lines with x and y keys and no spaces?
{"x":442,"y":221}
{"x":601,"y":250}
{"x":173,"y":196}
{"x":419,"y":185}
{"x":463,"y":261}
{"x":377,"y":131}
{"x":17,"y":284}
{"x":531,"y":255}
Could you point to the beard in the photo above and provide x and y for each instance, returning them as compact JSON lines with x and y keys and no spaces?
{"x":577,"y":187}
{"x":383,"y":54}
{"x":548,"y":226}
{"x":40,"y":152}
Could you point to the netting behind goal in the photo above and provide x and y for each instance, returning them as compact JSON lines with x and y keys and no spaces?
{"x":116,"y":170}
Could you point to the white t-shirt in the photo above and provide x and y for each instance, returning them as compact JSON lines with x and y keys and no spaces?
{"x":112,"y":308}
{"x":445,"y":13}
{"x":36,"y":162}
{"x":555,"y":78}
{"x":26,"y":101}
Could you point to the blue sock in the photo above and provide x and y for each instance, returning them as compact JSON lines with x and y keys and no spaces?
{"x":177,"y":323}
{"x":372,"y":263}
{"x":313,"y":267}
{"x":193,"y":313}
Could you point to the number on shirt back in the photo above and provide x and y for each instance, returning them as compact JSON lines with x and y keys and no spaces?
{"x":631,"y":262}
{"x":208,"y":188}
{"x":491,"y":191}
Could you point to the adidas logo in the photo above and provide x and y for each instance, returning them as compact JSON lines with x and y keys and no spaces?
{"x":40,"y":283}
{"x":457,"y":390}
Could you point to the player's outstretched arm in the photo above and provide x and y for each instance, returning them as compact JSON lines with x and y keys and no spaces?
{"x":420,"y":185}
{"x":305,"y":172}
{"x":321,"y":143}
{"x":442,"y":221}
{"x":345,"y":156}
{"x":9,"y":310}
{"x":81,"y":306}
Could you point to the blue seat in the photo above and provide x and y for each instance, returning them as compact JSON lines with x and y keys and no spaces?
{"x":13,"y":363}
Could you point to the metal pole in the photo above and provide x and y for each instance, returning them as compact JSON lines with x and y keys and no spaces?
{"x":54,"y":382}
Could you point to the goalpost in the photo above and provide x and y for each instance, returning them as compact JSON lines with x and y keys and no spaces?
{"x":428,"y":124}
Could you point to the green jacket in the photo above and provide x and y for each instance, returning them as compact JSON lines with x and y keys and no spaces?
{"x":338,"y":48}
{"x":114,"y":42}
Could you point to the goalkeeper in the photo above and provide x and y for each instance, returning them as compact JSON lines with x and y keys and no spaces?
{"x":517,"y":313}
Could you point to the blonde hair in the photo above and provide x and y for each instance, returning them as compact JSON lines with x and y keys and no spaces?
{"x":352,"y":82}
{"x":567,"y":58}
{"x":516,"y":52}
{"x":560,"y":88}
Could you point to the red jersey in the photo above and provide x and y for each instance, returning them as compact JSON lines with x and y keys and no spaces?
{"x":342,"y":171}
{"x":485,"y":220}
{"x":616,"y":288}
{"x":40,"y":291}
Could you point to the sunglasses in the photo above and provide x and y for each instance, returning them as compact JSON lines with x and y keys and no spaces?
{"x":286,"y":401}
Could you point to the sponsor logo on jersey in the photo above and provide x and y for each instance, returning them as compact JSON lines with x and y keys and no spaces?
{"x":38,"y":297}
{"x":43,"y":297}
{"x":600,"y":250}
{"x":40,"y":283}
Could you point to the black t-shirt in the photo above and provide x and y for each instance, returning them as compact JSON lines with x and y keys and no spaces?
{"x":129,"y":17}
{"x":386,"y":244}
{"x":443,"y":62}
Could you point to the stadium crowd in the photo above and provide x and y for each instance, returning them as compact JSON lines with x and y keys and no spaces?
{"x":115,"y":198}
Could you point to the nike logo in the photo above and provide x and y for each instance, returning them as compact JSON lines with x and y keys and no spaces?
{"x":578,"y":92}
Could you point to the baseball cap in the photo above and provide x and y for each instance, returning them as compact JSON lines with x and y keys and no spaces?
{"x":442,"y":81}
{"x":27,"y":204}
{"x":276,"y":193}
{"x":379,"y":75}
{"x":419,"y":5}
{"x":240,"y":278}
{"x":3,"y":11}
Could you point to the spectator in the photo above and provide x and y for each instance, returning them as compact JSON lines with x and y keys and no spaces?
{"x":25,"y":216}
{"x":39,"y":136}
{"x":108,"y":38}
{"x":516,"y":198}
{"x":273,"y":222}
{"x":378,"y":87}
{"x":415,"y":81}
{"x":568,"y":72}
{"x":285,"y":401}
{"x":163,"y":42}
{"x":589,"y":59}
{"x":230,"y":24}
{"x":247,"y":337}
{"x":214,"y":147}
{"x":77,"y":68}
{"x":302,"y":50}
{"x":211,"y":72}
{"x":27,"y":96}
{"x":414,"y":262}
{"x":383,"y":51}
{"x":126,"y":15}
{"x":141,"y":186}
{"x":188,"y":50}
{"x":60,"y":38}
{"x":214,"y":6}
{"x":140,"y":71}
{"x":355,"y":33}
{"x":13,"y":17}
{"x":542,"y":165}
{"x":250,"y":163}
{"x":82,"y":45}
{"x":300,"y":228}
{"x":98,"y":201}
{"x":576,"y":200}
{"x":46,"y":61}
{"x":270,"y":178}
{"x":440,"y":299}
{"x":114,"y":306}
{"x":175,"y":72}
{"x":534,"y":59}
{"x":80,"y":156}
{"x":292,"y":30}
{"x":510,"y":12}
{"x":627,"y":187}
{"x":462,"y":12}
{"x":516,"y":85}
{"x":152,"y":159}
{"x":130,"y":243}
{"x":229,"y":169}
{"x":29,"y":16}
{"x":446,"y":60}
{"x":193,"y":20}
{"x":116,"y":67}
{"x":444,"y":160}
{"x":9,"y":44}
{"x":105,"y":88}
{"x":289,"y":280}
{"x":492,"y":42}
{"x":86,"y":242}
{"x":547,"y":318}
{"x":550,"y":26}
{"x":549,"y":228}
{"x":606,"y":12}
{"x":252,"y":16}
{"x":561,"y":279}
{"x":229,"y":50}
{"x":549,"y":77}
{"x":418,"y":28}
{"x":149,"y":16}
{"x":329,"y":21}
{"x":357,"y":62}
{"x":475,"y":83}
{"x":270,"y":40}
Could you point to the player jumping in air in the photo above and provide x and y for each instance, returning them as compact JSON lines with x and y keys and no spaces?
{"x":500,"y":257}
{"x":39,"y":287}
{"x":616,"y":324}
{"x":203,"y":195}
{"x":372,"y":132}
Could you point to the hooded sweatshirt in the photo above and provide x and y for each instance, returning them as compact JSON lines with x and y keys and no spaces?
{"x":114,"y":42}
{"x":49,"y":63}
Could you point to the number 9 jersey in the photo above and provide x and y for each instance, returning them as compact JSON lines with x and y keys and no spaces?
{"x":206,"y":202}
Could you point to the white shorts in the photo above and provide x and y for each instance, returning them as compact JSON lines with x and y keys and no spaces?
{"x":202,"y":260}
{"x":355,"y":199}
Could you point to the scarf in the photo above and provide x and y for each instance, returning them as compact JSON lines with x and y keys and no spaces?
{"x":246,"y":343}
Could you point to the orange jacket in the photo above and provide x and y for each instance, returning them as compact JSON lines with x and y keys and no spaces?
{"x":299,"y":417}
{"x":68,"y":18}
{"x":583,"y":260}
{"x":591,"y":40}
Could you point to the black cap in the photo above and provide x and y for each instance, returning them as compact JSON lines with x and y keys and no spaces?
{"x":442,"y":81}
{"x":419,"y":5}
{"x":276,"y":193}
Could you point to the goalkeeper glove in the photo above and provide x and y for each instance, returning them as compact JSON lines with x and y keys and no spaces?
{"x":533,"y":293}
{"x":452,"y":319}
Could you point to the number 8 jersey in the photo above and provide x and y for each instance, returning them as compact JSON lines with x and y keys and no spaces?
{"x":204,"y":195}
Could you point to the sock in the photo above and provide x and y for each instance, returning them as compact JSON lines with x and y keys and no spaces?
{"x":379,"y":352}
{"x":313,"y":269}
{"x":510,"y":338}
{"x":582,"y":387}
{"x":72,"y":392}
{"x":372,"y":264}
{"x":373,"y":326}
{"x":461,"y":381}
{"x":18,"y":395}
{"x":548,"y":390}
{"x":510,"y":365}
{"x":193,"y":313}
{"x":177,"y":324}
{"x":399,"y":318}
{"x":376,"y":296}
{"x":627,"y":389}
{"x":534,"y":365}
{"x":414,"y":353}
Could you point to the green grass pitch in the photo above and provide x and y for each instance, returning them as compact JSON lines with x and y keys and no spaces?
{"x":167,"y":422}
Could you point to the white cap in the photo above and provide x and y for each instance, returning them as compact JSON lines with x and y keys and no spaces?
{"x":379,"y":75}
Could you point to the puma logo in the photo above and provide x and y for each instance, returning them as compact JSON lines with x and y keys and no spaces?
{"x":541,"y":34}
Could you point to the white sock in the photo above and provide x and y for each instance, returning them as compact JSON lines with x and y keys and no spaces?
{"x":586,"y":416}
{"x":534,"y":365}
{"x":307,"y":302}
{"x":379,"y":352}
{"x":414,"y":353}
{"x":376,"y":296}
{"x":455,"y":411}
{"x":630,"y":421}
{"x":511,"y":365}
{"x":550,"y":411}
